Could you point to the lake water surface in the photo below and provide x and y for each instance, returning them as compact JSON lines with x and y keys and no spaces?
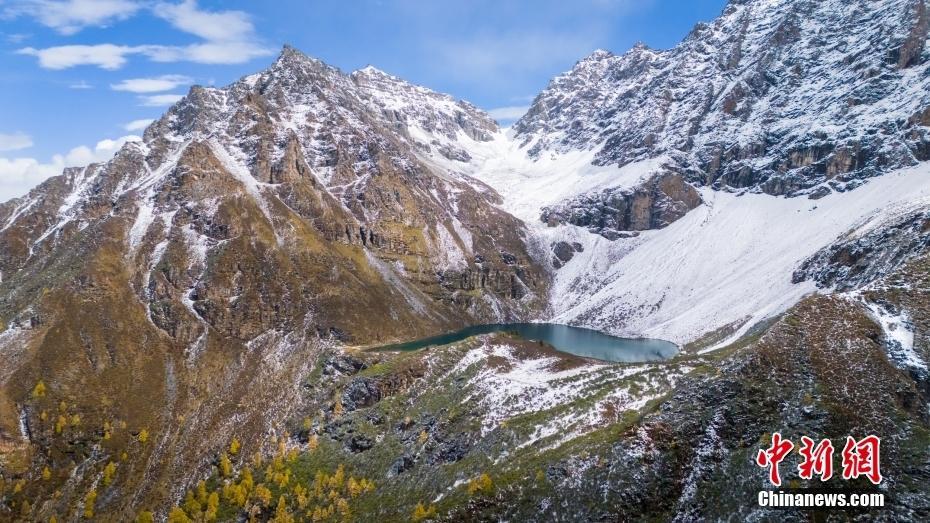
{"x":574,"y":340}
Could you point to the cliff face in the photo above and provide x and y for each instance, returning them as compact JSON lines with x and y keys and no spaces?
{"x":653,"y":204}
{"x":784,"y":97}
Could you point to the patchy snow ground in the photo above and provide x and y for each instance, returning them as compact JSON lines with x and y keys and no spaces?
{"x":728,"y":262}
{"x":510,"y":386}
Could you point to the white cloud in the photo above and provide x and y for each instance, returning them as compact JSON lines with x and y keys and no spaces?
{"x":218,"y":26}
{"x":212,"y":53}
{"x":228,"y":38}
{"x":104,"y":56}
{"x":152,"y":85}
{"x":508,"y":113}
{"x":15,"y":142}
{"x":70,"y":16}
{"x":138,"y":125}
{"x":159,"y":100}
{"x":80,"y":85}
{"x":17,"y":38}
{"x":19,"y":175}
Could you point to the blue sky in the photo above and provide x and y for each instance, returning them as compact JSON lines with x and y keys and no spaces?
{"x":81,"y":75}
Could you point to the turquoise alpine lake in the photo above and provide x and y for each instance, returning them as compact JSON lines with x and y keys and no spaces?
{"x":579,"y":341}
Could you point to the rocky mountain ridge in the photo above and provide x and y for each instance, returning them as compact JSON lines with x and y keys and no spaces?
{"x":784,"y":97}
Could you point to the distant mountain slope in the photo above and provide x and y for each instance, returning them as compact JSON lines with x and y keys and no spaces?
{"x":782,"y":96}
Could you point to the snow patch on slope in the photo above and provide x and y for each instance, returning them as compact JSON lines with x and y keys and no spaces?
{"x":527,"y":185}
{"x":509,"y":385}
{"x":898,"y":331}
{"x":725,"y":261}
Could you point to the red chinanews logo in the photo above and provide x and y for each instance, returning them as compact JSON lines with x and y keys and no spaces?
{"x":860,"y":458}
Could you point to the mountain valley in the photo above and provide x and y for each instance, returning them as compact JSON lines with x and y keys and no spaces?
{"x":183,"y":328}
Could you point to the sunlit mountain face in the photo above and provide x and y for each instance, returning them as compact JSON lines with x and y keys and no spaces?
{"x":330,"y":296}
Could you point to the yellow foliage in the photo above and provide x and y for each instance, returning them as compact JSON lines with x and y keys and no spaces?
{"x":108,"y":472}
{"x":421,"y":439}
{"x":313,"y":442}
{"x":353,"y":488}
{"x":43,"y":416}
{"x":281,"y":513}
{"x":234,"y":446}
{"x":62,"y":406}
{"x":247,"y":482}
{"x":338,"y":409}
{"x":308,"y":423}
{"x":143,"y":435}
{"x":145,"y":517}
{"x":60,"y":424}
{"x":263,"y":494}
{"x":89,"y":500}
{"x":238,"y":495}
{"x":39,"y":390}
{"x":191,"y":505}
{"x":75,"y":420}
{"x":177,"y":515}
{"x":482,"y":483}
{"x":225,"y":466}
{"x":343,"y":507}
{"x":300,"y":495}
{"x":46,"y":474}
{"x":339,"y":477}
{"x":213,"y":505}
{"x":422,"y":513}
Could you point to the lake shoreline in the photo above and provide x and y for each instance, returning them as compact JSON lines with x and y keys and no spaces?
{"x":577,"y":341}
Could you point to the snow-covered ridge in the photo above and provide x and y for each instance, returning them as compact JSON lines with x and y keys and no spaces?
{"x":778,"y":96}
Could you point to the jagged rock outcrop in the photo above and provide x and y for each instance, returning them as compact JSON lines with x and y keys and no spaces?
{"x":654,"y":204}
{"x":859,"y":259}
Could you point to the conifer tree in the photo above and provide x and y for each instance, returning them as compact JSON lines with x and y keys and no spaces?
{"x":39,"y":390}
{"x":89,"y":501}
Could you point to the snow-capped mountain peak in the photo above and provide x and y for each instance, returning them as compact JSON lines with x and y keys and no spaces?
{"x":783,"y":97}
